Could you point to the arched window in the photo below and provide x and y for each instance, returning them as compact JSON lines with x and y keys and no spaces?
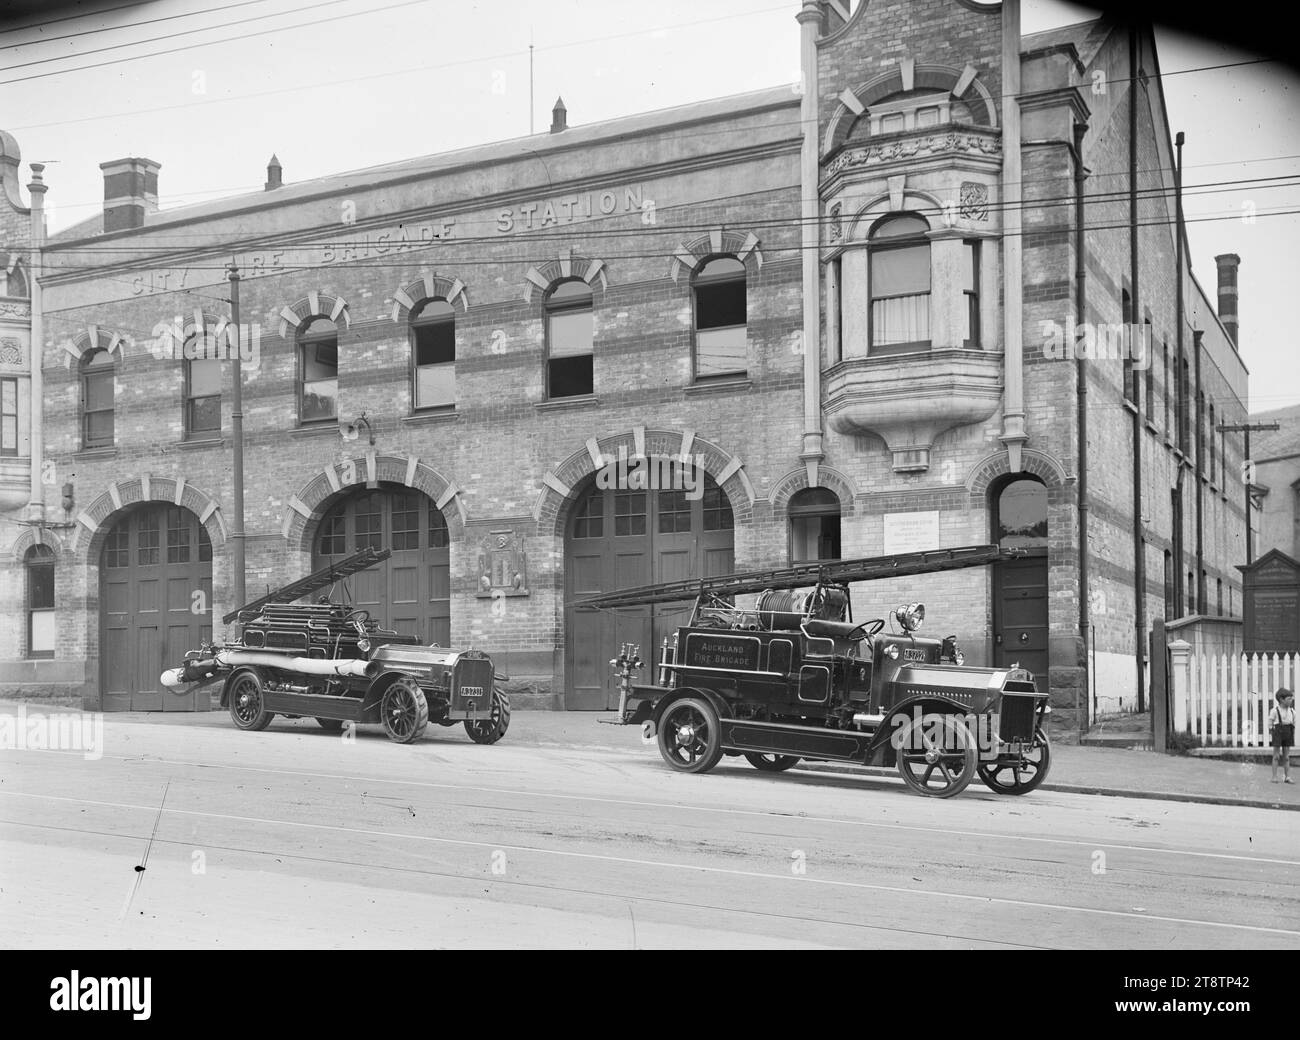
{"x":97,"y":399}
{"x":1021,"y":521}
{"x":39,"y":564}
{"x":570,"y":332}
{"x":202,"y":388}
{"x":814,"y":525}
{"x":16,"y":283}
{"x":318,"y":371}
{"x":899,"y":276}
{"x":721,"y":332}
{"x":433,"y":355}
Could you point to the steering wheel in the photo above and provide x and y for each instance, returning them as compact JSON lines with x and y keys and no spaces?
{"x":362,"y":616}
{"x":873,"y":626}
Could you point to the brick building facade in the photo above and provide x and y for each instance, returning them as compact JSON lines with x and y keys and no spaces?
{"x":837,"y":301}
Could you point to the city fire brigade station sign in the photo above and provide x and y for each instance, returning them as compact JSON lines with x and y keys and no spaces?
{"x":354,"y":244}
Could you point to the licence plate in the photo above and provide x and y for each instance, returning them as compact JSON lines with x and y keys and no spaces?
{"x":471,"y":691}
{"x":914,"y":655}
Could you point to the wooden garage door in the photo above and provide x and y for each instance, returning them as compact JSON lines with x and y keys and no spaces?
{"x":155,"y":601}
{"x":619,"y":539}
{"x":409,"y":592}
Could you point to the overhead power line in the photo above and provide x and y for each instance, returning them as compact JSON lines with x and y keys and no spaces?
{"x":187,"y":240}
{"x":116,"y":28}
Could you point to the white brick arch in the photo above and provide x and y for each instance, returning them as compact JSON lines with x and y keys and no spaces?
{"x":306,"y":507}
{"x":796,"y":480}
{"x":567,"y":265}
{"x":97,"y":519}
{"x":427,"y":287}
{"x":924,"y":203}
{"x":963,"y":84}
{"x":1033,"y":462}
{"x":561,"y":484}
{"x":36,"y":536}
{"x":689,"y":256}
{"x":315,"y":304}
{"x":92,"y":337}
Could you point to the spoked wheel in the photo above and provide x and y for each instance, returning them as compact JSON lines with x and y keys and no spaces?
{"x":330,"y":725}
{"x":688,"y":735}
{"x":491,"y":728}
{"x":937,"y":755}
{"x":1023,"y":776}
{"x":247,"y":706}
{"x":404,"y":711}
{"x":771,"y":763}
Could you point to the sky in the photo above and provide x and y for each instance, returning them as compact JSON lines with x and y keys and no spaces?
{"x":210,"y":90}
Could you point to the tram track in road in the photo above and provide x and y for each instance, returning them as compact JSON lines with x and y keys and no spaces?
{"x":908,"y":898}
{"x":1090,"y":844}
{"x":624,"y":895}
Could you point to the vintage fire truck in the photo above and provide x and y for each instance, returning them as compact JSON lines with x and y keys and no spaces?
{"x":795,"y":677}
{"x":335,"y":664}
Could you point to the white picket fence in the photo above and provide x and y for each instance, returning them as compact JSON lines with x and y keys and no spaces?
{"x":1225,"y":699}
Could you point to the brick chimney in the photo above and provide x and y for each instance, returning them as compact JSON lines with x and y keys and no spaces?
{"x":274,"y":174}
{"x":130,"y":191}
{"x":559,"y":116}
{"x":1228,"y":264}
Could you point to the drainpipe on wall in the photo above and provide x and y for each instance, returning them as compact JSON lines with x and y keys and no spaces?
{"x":1176,"y":536}
{"x":1013,"y":406}
{"x":809,"y":18}
{"x":1139,"y":547}
{"x":1081,"y":411}
{"x":36,"y":408}
{"x":1200,"y":477}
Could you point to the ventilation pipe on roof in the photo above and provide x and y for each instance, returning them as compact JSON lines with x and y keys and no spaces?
{"x":559,"y":116}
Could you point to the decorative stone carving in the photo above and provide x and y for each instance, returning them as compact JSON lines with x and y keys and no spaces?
{"x":10,"y":309}
{"x":502,"y":566}
{"x":837,"y":231}
{"x":11,"y":352}
{"x":974,"y":200}
{"x":917,"y":147}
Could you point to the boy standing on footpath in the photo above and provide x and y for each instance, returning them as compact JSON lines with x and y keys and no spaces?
{"x":1281,"y":724}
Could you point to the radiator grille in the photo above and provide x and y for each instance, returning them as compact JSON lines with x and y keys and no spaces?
{"x":1016,"y":718}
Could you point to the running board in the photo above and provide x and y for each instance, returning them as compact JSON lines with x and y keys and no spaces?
{"x":803,"y":741}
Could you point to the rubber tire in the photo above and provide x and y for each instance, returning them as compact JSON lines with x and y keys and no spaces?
{"x":330,"y":725}
{"x":489,"y":731}
{"x":951,"y":726}
{"x":711,"y":753}
{"x":771,"y":763}
{"x":255,"y":717}
{"x":388,"y":709}
{"x":986,"y":773}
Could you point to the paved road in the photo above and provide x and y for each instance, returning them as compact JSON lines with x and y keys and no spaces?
{"x":294,"y":837}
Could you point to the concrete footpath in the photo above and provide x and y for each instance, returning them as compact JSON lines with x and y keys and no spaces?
{"x":1130,"y":773}
{"x":1079,"y":770}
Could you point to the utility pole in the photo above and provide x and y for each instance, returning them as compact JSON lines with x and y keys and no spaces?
{"x":238,"y":558}
{"x":530,"y":83}
{"x":1247,"y":471}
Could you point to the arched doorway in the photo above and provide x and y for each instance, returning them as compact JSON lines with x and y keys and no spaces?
{"x":155,"y":602}
{"x":618,"y":539}
{"x":1019,"y":512}
{"x":409,"y":592}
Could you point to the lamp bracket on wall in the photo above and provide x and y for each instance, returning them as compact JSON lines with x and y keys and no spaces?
{"x":352,"y":430}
